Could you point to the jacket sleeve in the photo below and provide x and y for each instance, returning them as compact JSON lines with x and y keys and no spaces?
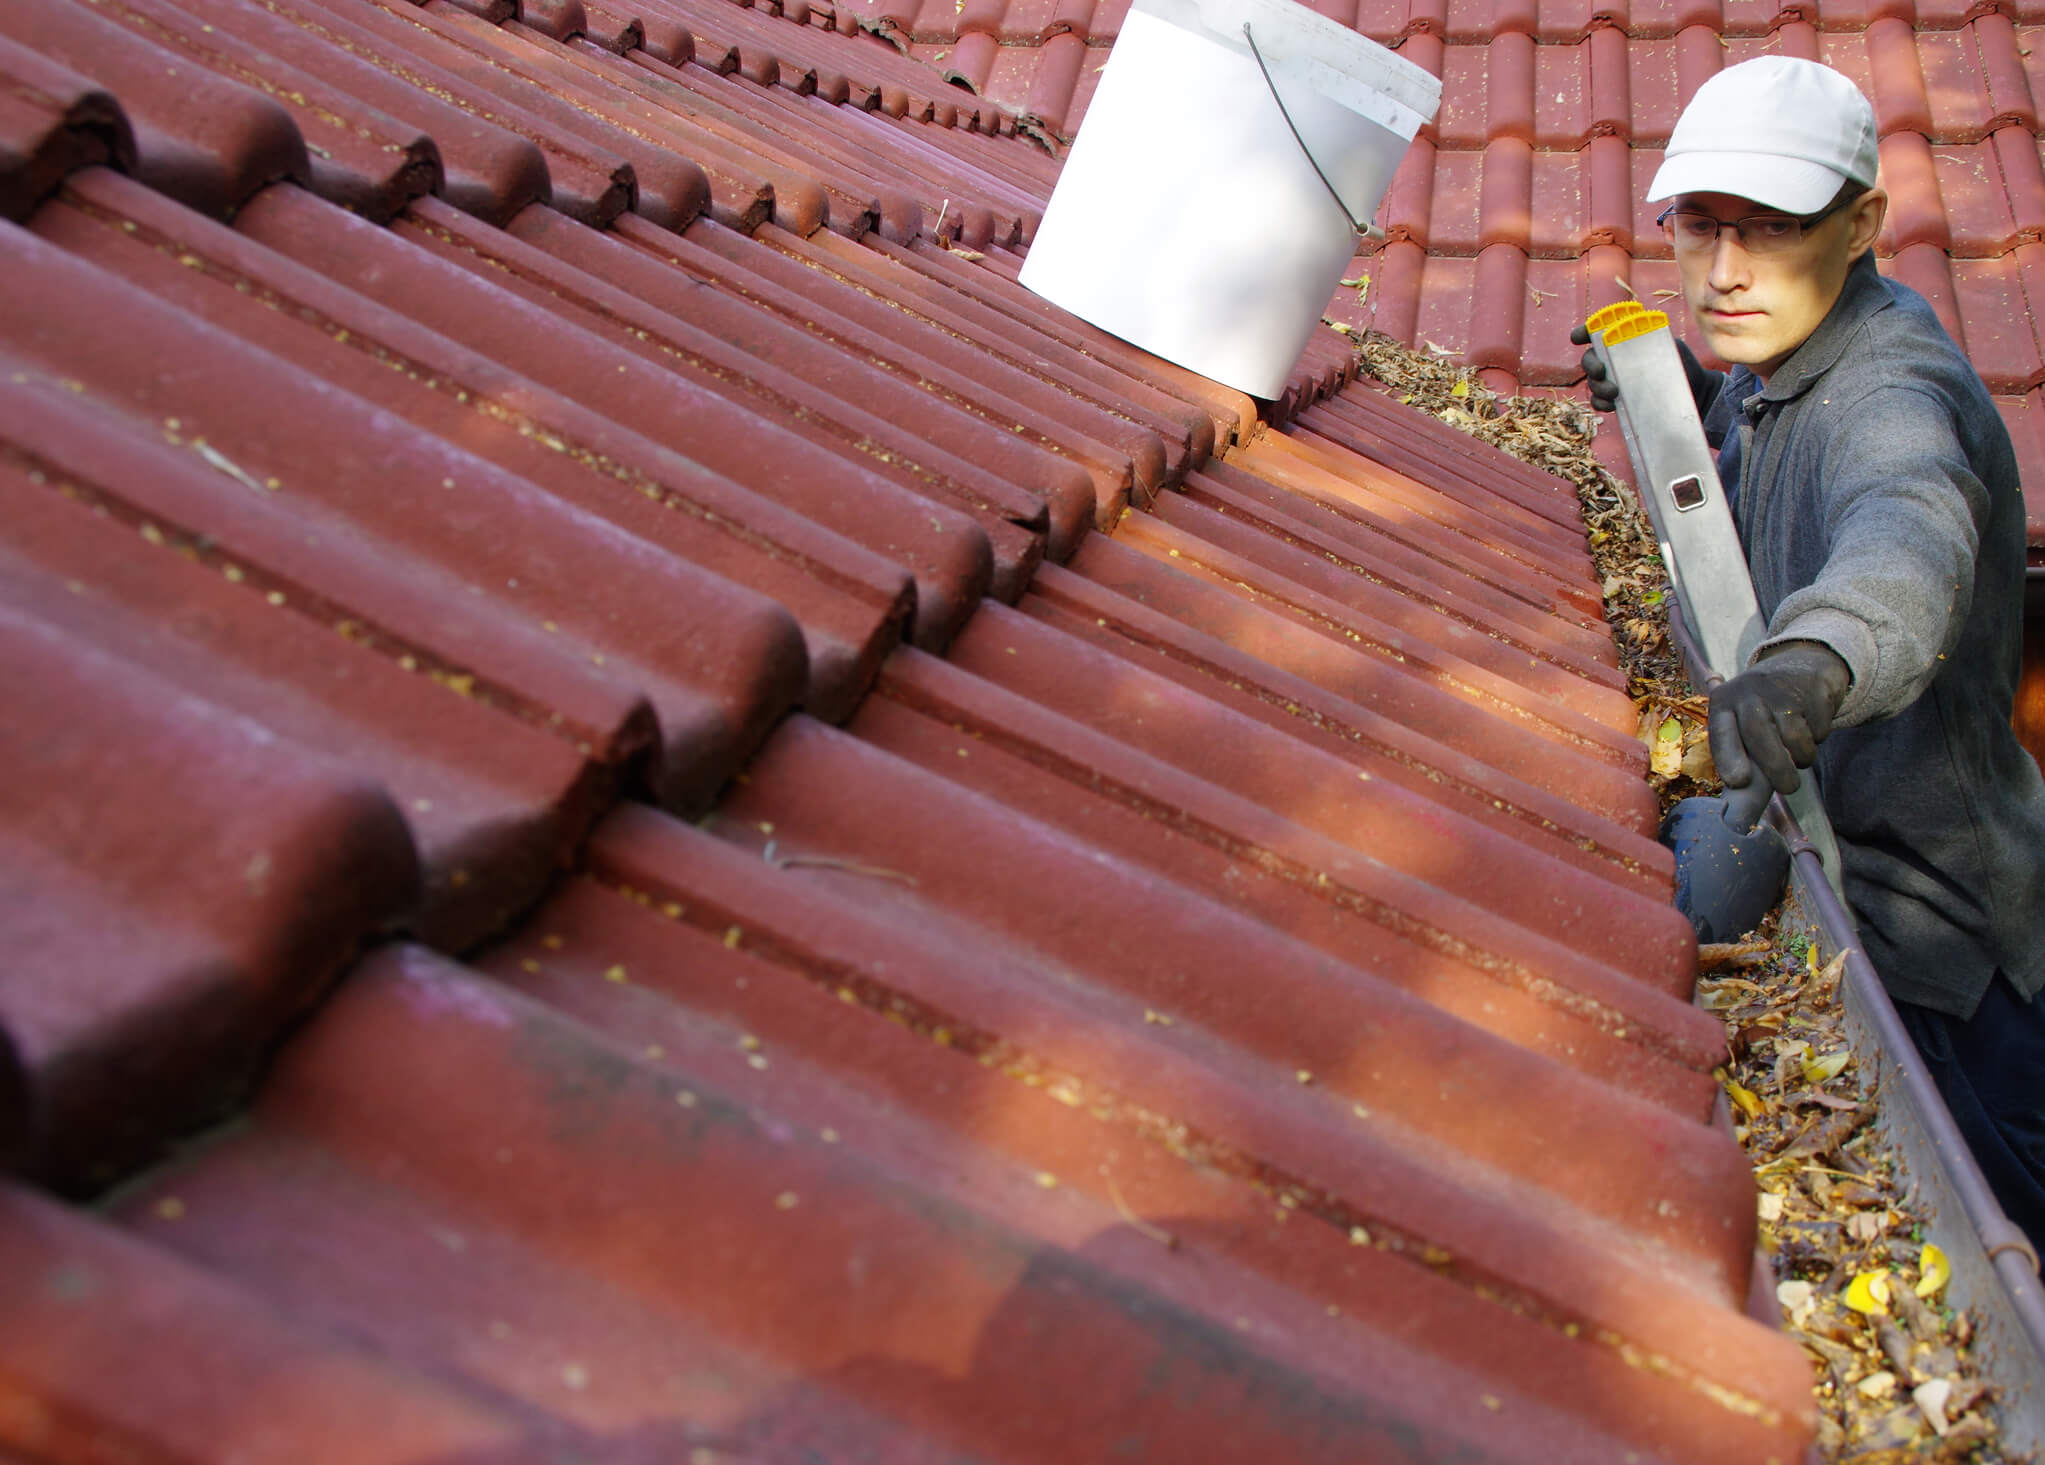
{"x":1902,"y":517}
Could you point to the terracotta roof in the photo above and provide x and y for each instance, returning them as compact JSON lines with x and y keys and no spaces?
{"x":1520,"y":209}
{"x":580,"y":702}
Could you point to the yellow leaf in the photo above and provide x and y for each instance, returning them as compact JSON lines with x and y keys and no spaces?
{"x":1670,"y":731}
{"x":1460,"y":389}
{"x":1744,"y":1100}
{"x":1936,"y":1269}
{"x":1868,"y":1293}
{"x":1697,"y":762}
{"x":1824,"y":1070}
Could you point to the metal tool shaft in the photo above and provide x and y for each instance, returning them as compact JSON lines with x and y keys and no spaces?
{"x":1678,"y":477}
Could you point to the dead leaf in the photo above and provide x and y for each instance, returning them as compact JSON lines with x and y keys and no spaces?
{"x":1824,"y":1136}
{"x":1824,"y":1069}
{"x":1935,"y":1271}
{"x":1665,"y":760}
{"x":1931,"y":1397}
{"x":1868,"y":1294}
{"x":1697,"y":761}
{"x":1745,"y":1100}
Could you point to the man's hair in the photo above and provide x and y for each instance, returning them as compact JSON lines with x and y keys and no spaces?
{"x":1848,"y":192}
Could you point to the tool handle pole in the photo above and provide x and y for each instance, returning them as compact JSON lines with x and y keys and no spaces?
{"x":1678,"y":477}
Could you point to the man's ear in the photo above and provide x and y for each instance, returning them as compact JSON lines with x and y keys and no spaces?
{"x":1865,"y":218}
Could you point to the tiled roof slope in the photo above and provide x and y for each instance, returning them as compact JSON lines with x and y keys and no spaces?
{"x":566,"y":670}
{"x":1520,"y":209}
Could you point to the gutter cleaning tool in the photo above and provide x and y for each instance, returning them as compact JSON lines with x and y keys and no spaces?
{"x":1730,"y":868}
{"x":1217,"y":189}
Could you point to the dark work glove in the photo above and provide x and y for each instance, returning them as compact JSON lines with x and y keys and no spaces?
{"x":1605,"y":392}
{"x":1767,"y":722}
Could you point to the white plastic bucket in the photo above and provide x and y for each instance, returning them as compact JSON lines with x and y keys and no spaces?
{"x":1188,"y":218}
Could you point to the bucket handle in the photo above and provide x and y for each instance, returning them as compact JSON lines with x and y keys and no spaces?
{"x":1360,"y":228}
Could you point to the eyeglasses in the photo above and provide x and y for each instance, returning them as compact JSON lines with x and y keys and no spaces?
{"x":1693,"y":232}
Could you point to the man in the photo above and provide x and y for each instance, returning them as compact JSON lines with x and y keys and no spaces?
{"x":1876,"y":494}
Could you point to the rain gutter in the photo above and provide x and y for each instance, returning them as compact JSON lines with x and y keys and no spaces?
{"x":1995,"y":1269}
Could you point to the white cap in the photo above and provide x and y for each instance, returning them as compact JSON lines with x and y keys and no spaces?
{"x":1784,"y":132}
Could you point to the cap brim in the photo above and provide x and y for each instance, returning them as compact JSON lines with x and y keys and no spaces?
{"x":1789,"y":184}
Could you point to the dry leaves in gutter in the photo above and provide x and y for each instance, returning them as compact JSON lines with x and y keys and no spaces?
{"x":1859,"y":1287}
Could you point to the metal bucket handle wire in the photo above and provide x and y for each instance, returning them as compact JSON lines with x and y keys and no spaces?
{"x":1360,"y":228}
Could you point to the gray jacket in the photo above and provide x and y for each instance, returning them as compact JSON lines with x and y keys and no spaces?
{"x":1877,"y":498}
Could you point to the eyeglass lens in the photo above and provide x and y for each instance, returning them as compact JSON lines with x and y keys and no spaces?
{"x":1692,"y":232}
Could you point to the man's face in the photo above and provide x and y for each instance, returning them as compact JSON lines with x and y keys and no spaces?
{"x":1754,"y":310}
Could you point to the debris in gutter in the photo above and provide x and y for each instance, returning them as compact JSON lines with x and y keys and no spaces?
{"x":1860,"y":1289}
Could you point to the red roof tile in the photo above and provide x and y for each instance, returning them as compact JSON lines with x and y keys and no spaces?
{"x":201,"y":137}
{"x":55,"y":120}
{"x":494,"y":803}
{"x":87,"y":1301}
{"x":1116,"y":1039}
{"x":160,"y":937}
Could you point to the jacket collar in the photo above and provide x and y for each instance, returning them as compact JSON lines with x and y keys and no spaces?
{"x":1864,"y":293}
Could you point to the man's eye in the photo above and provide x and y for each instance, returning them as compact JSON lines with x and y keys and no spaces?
{"x":1696,"y":226}
{"x":1774,"y":230}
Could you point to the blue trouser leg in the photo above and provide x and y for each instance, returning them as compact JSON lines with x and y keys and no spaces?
{"x":1991,"y":1070}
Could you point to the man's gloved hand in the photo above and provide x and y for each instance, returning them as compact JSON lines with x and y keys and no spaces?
{"x":1767,"y":722}
{"x":1605,"y":392}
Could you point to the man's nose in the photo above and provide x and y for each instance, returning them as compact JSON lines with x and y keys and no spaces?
{"x":1728,"y":259}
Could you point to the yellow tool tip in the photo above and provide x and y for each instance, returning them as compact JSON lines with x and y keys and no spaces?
{"x":1605,"y":318}
{"x":1645,"y":323}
